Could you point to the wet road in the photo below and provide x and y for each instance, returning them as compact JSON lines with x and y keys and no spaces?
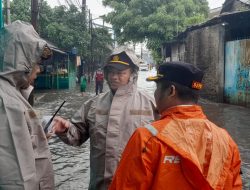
{"x":71,"y":164}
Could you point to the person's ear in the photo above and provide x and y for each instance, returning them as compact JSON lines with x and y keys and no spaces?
{"x":172,"y":91}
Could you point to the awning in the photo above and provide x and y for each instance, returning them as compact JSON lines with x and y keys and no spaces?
{"x":54,"y":48}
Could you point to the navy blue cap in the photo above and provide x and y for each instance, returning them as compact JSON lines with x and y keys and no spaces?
{"x":179,"y":72}
{"x":119,"y":61}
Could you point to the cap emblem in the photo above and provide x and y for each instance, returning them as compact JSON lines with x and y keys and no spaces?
{"x":197,"y":85}
{"x":116,"y":58}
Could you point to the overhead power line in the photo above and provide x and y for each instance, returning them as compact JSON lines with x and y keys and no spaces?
{"x":59,"y":3}
{"x":67,"y":2}
{"x":78,"y":3}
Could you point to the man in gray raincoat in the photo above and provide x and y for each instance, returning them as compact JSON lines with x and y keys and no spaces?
{"x":110,"y":118}
{"x":25,"y":161}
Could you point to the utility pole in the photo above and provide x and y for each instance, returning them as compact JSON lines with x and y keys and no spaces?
{"x":90,"y":65}
{"x":91,"y":36}
{"x":34,"y":13}
{"x":1,"y":14}
{"x":177,"y":27}
{"x":90,"y":20}
{"x":83,"y":5}
{"x":141,"y":50}
{"x":83,"y":67}
{"x":84,"y":23}
{"x":8,"y":21}
{"x":91,"y":39}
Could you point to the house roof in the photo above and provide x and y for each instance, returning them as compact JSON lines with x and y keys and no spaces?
{"x":214,"y":12}
{"x":228,"y":4}
{"x":230,"y":18}
{"x":56,"y":49}
{"x":245,"y":1}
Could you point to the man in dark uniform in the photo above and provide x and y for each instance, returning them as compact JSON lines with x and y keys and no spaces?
{"x":182,"y":150}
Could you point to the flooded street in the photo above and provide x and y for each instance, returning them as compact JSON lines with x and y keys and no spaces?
{"x":71,"y":164}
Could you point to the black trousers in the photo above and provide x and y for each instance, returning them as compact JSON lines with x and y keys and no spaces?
{"x":98,"y":87}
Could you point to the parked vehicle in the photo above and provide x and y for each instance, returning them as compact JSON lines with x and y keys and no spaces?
{"x":143,"y":67}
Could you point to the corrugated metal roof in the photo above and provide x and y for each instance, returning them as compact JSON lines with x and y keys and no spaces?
{"x":214,"y":12}
{"x":229,"y":5}
{"x":54,"y":48}
{"x":225,"y":17}
{"x":245,"y":1}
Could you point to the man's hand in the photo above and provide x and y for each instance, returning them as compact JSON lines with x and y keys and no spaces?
{"x":60,"y":125}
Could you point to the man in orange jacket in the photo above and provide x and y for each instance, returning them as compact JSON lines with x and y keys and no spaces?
{"x":183,"y":150}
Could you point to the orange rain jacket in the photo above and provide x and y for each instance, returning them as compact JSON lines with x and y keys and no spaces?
{"x":182,"y":151}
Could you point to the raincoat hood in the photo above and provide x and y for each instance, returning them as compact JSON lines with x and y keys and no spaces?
{"x":21,"y":47}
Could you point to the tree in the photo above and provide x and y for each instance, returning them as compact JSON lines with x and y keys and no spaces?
{"x":102,"y":44}
{"x":65,"y":27}
{"x":21,"y":10}
{"x":155,"y":21}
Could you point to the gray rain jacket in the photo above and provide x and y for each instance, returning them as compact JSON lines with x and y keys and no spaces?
{"x":109,"y":121}
{"x":25,"y":160}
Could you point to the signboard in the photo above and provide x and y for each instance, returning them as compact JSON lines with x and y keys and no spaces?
{"x":78,"y":61}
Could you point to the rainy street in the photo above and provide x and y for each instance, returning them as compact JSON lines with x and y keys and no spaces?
{"x":71,"y":164}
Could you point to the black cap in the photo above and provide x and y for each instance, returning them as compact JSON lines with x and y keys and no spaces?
{"x":179,"y":72}
{"x":119,"y":61}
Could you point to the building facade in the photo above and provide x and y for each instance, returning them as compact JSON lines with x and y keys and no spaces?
{"x":221,"y":48}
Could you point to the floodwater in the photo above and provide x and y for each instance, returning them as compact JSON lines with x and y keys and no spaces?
{"x":71,"y":164}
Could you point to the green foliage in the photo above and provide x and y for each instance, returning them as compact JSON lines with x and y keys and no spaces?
{"x":101,"y":44}
{"x":66,"y":28}
{"x":155,"y":21}
{"x":21,"y":10}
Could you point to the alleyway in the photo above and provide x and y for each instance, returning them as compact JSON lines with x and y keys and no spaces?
{"x":71,"y":164}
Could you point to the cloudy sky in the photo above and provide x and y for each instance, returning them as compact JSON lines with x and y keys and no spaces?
{"x":215,"y":3}
{"x":97,"y":9}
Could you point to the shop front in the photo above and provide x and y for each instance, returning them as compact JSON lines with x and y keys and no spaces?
{"x":59,"y":72}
